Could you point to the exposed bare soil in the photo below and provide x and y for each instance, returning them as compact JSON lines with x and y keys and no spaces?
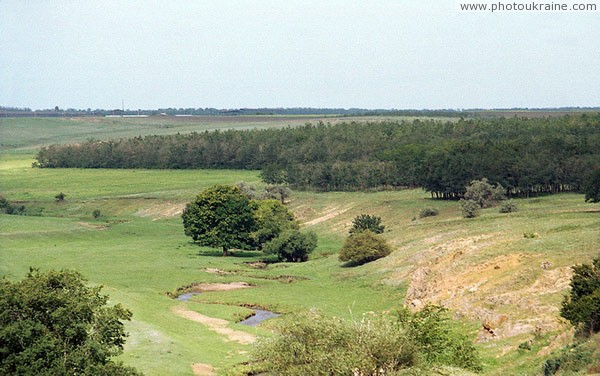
{"x":217,"y":325}
{"x":201,"y":369}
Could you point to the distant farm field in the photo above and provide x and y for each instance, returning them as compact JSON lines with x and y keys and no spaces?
{"x":484,"y":269}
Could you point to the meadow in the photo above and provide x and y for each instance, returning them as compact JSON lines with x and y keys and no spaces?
{"x":484,"y":269}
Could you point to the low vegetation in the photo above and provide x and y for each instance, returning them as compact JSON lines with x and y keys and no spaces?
{"x":313,"y":344}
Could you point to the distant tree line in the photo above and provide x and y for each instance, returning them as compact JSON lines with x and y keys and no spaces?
{"x":525,"y":156}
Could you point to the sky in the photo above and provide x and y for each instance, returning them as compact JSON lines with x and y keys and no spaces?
{"x":403,"y":54}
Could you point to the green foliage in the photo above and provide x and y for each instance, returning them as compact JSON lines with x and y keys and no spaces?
{"x":220,"y":216}
{"x":591,"y":186}
{"x":469,"y":208}
{"x":571,"y":359}
{"x":582,"y":306}
{"x":312,"y":344}
{"x":526,"y":156}
{"x":362,"y":247}
{"x":508,"y":206}
{"x":484,"y":193}
{"x":53,"y":324}
{"x":430,"y":327}
{"x":280,"y":192}
{"x":428,"y":212}
{"x":272,"y":218}
{"x":365,"y":222}
{"x":96,"y":213}
{"x":292,"y":245}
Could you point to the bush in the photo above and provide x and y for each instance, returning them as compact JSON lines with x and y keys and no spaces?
{"x":363,"y":247}
{"x":571,"y":359}
{"x":439,"y":344}
{"x":365,"y":222}
{"x":428,"y":212}
{"x":292,"y":245}
{"x":311,"y":344}
{"x":469,"y":208}
{"x":508,"y":206}
{"x":484,"y":193}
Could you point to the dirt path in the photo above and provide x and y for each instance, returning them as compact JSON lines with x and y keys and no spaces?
{"x":217,"y":325}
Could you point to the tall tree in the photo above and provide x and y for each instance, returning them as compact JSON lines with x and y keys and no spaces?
{"x":220,"y":216}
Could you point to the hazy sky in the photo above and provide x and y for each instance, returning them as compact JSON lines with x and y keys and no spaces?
{"x":288,"y":53}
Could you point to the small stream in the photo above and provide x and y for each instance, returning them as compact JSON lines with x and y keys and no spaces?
{"x":259,"y":316}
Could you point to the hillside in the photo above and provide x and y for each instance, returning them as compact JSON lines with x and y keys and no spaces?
{"x":504,"y":288}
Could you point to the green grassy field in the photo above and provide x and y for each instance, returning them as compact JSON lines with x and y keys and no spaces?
{"x":482,"y":268}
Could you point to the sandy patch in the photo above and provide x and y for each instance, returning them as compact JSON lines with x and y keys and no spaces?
{"x":201,"y":369}
{"x":216,"y":325}
{"x":162,"y":210}
{"x":208,"y":287}
{"x":329,"y":213}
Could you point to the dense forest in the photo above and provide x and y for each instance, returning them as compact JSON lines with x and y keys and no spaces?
{"x":525,"y":156}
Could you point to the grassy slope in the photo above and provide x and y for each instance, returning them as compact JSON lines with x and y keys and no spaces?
{"x":482,"y":268}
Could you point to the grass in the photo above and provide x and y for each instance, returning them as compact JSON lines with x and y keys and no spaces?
{"x":138,"y":251}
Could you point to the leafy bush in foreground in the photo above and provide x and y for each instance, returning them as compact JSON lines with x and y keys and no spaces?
{"x":312,"y":344}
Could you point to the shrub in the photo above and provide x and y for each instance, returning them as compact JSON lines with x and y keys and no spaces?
{"x":484,"y":193}
{"x":292,"y":245}
{"x":571,"y":359}
{"x":363,"y":247}
{"x":311,"y":344}
{"x":530,"y":235}
{"x":365,"y":222}
{"x":469,"y":208}
{"x":439,"y":344}
{"x":508,"y":206}
{"x":428,"y":212}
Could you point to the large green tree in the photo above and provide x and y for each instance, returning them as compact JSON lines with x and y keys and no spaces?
{"x":54,"y":324}
{"x":221,"y":217}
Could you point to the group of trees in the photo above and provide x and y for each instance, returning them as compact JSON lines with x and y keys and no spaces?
{"x":525,"y":156}
{"x":224,"y":217}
